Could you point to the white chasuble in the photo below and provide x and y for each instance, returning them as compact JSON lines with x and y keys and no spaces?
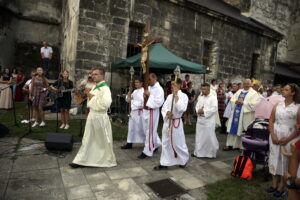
{"x":245,"y":116}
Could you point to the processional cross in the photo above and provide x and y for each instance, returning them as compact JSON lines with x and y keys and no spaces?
{"x":145,"y":55}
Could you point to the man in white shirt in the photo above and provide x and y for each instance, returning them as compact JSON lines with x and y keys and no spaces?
{"x":46,"y":54}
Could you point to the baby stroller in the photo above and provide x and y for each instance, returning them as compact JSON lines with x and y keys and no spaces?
{"x":256,"y":142}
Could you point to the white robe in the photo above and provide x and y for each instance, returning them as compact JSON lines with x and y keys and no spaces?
{"x":174,"y":140}
{"x":151,"y":118}
{"x":206,"y":144}
{"x":246,"y":116}
{"x":97,"y":143}
{"x":136,"y":132}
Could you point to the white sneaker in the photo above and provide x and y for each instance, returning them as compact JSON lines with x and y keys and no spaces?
{"x":42,"y":124}
{"x":67,"y":126}
{"x":35,"y":124}
{"x":62,"y":126}
{"x":24,"y":121}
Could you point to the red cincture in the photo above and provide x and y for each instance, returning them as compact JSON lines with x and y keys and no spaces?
{"x":151,"y":129}
{"x":140,"y":111}
{"x":175,"y":126}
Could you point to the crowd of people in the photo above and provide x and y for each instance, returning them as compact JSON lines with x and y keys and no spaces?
{"x":232,"y":109}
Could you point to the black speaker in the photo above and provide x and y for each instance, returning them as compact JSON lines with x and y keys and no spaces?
{"x":3,"y":130}
{"x":59,"y":141}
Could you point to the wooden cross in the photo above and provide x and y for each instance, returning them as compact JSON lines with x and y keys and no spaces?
{"x":145,"y":55}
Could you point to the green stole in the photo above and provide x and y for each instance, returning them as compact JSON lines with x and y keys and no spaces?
{"x":100,"y":85}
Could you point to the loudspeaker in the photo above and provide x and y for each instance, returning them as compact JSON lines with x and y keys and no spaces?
{"x":59,"y":141}
{"x":3,"y":130}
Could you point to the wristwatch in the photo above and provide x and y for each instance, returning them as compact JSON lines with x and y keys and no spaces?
{"x":290,"y":182}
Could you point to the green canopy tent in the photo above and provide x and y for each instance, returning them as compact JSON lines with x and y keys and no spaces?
{"x":160,"y":60}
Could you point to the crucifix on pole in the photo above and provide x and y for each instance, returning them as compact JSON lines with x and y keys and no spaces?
{"x":146,"y":42}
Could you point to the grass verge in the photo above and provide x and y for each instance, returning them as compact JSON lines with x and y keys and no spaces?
{"x":7,"y":118}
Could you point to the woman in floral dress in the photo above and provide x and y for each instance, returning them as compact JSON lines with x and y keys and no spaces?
{"x":37,"y":94}
{"x":283,"y":120}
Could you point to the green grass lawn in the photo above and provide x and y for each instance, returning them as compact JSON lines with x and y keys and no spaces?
{"x":240,"y":189}
{"x":7,"y":118}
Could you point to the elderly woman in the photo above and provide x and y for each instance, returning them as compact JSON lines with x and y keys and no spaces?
{"x":283,"y":120}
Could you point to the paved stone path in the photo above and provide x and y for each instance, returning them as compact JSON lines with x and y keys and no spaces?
{"x":30,"y":172}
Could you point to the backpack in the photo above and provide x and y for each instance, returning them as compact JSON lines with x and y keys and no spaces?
{"x":242,"y":167}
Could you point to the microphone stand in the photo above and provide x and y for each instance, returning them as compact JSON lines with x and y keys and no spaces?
{"x":60,"y":81}
{"x":29,"y":116}
{"x":81,"y":120}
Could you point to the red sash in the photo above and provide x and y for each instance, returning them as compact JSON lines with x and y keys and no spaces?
{"x":171,"y":134}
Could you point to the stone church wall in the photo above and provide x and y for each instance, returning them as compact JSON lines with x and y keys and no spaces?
{"x":103,"y":34}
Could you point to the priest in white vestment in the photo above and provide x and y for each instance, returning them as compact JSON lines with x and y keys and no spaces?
{"x":136,"y":132}
{"x":97,"y":142}
{"x":206,"y":144}
{"x":174,"y":148}
{"x":242,"y":114}
{"x":155,"y":95}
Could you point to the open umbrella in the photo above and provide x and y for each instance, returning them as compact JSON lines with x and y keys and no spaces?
{"x":264,"y":108}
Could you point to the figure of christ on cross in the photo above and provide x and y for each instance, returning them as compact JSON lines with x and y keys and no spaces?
{"x":145,"y":57}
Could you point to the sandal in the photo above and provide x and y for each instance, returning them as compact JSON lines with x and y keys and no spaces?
{"x":227,"y":148}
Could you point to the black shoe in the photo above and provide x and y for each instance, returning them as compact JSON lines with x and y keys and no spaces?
{"x":155,"y":150}
{"x":278,"y":194}
{"x":271,"y":190}
{"x":182,"y":166}
{"x":73,"y":165}
{"x":142,"y":156}
{"x":160,"y":167}
{"x":227,"y":148}
{"x":127,"y":146}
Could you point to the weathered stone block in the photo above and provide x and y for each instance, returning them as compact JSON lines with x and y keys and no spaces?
{"x":85,"y":36}
{"x":87,"y":5}
{"x":87,"y":21}
{"x":117,"y":20}
{"x":92,"y":15}
{"x":89,"y":56}
{"x":90,"y":46}
{"x":79,"y":45}
{"x":118,"y":12}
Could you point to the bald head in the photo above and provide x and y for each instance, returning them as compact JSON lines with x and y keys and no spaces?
{"x":247,"y":84}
